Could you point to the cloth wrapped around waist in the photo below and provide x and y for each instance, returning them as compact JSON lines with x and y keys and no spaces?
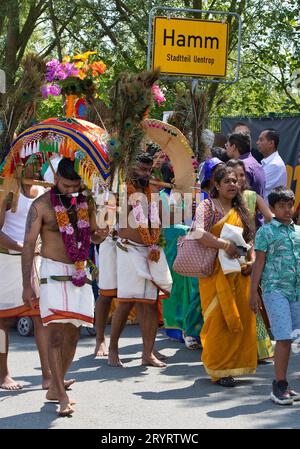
{"x":60,"y":300}
{"x":138,"y":277}
{"x":11,"y":303}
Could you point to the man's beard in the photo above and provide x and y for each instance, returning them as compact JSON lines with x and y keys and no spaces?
{"x":65,"y":199}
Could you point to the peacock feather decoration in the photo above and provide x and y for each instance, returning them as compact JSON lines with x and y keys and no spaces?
{"x":189,"y":116}
{"x":130,"y":102}
{"x":17,"y":106}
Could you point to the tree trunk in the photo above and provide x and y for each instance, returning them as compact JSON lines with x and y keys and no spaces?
{"x":13,"y":31}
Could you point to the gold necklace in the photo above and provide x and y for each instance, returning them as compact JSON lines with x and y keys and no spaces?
{"x":220,"y":204}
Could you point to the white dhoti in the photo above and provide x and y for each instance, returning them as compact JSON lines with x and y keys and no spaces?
{"x":108,"y":267}
{"x":61,"y":301}
{"x":140,"y":279}
{"x":11,"y":286}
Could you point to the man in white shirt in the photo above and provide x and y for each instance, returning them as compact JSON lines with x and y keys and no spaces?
{"x":273,"y":165}
{"x":12,"y":230}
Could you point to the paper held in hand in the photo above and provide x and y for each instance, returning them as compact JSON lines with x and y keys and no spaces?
{"x":235,"y":235}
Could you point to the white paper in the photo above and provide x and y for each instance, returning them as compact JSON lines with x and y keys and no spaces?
{"x":233,"y":234}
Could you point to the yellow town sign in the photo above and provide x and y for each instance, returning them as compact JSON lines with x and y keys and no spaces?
{"x":190,"y":47}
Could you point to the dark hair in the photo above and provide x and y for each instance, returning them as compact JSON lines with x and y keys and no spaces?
{"x":272,"y":134}
{"x":145,"y":158}
{"x":235,"y":163}
{"x":220,"y":140}
{"x":66,"y":170}
{"x":240,"y":124}
{"x":167,"y":172}
{"x":220,"y":153}
{"x":241,"y":141}
{"x":152,"y":148}
{"x":237,"y":203}
{"x":238,"y":163}
{"x":280,"y":193}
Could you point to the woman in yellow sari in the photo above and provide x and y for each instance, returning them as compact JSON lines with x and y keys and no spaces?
{"x":255,"y":202}
{"x":228,"y":335}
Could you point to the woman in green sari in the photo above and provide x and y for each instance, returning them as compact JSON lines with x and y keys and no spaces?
{"x":182,"y":311}
{"x":255,"y":203}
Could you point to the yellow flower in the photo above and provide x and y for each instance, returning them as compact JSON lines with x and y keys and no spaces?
{"x":66,"y":59}
{"x":79,"y":64}
{"x":84,"y":56}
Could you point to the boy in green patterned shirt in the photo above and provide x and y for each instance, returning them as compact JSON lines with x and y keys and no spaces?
{"x":277,"y":267}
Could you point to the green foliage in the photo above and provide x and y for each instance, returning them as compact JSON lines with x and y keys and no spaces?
{"x":118,"y":30}
{"x":52,"y":107}
{"x":79,"y":87}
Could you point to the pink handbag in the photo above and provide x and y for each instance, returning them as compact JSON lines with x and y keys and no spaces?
{"x":194,"y":259}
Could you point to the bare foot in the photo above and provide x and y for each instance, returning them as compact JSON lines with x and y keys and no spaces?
{"x":9,"y":384}
{"x":100,"y":349}
{"x":52,"y":395}
{"x":68,"y":383}
{"x":113,"y":359}
{"x":46,"y":383}
{"x":152,"y":361}
{"x":65,"y":408}
{"x":159,"y":355}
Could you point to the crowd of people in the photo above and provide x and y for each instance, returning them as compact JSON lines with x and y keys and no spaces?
{"x":231,"y":316}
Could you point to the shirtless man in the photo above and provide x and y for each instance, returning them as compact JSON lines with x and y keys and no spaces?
{"x":64,"y":305}
{"x":134,"y":287}
{"x":12,"y":230}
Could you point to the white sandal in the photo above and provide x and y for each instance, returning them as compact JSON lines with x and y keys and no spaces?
{"x":191,"y":342}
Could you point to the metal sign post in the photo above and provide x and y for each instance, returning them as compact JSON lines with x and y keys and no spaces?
{"x":2,"y":82}
{"x":190,"y":48}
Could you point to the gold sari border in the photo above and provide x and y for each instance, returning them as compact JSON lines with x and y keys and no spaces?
{"x":229,"y":372}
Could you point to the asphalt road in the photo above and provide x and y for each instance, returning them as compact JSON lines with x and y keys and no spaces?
{"x":179,"y":396}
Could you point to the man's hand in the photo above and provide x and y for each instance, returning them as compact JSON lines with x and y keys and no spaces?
{"x":28,"y":296}
{"x":100,"y":235}
{"x":255,"y":302}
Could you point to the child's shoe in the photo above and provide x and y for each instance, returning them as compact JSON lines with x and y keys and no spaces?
{"x":281,"y":393}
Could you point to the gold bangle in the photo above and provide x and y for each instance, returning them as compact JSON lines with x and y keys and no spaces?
{"x":226,"y":245}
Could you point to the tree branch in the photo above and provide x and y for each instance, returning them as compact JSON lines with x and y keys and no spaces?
{"x":11,"y":44}
{"x":46,"y":51}
{"x":114,"y":40}
{"x":55,"y":30}
{"x":281,"y":81}
{"x":34,"y":13}
{"x":123,"y":9}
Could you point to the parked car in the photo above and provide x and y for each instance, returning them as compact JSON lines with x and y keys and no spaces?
{"x":25,"y":327}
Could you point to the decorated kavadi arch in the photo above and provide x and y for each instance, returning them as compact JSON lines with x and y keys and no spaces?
{"x":86,"y":144}
{"x":79,"y":140}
